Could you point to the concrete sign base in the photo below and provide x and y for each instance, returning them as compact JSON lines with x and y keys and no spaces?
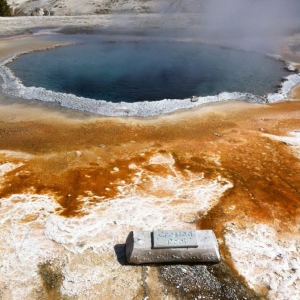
{"x":140,"y":247}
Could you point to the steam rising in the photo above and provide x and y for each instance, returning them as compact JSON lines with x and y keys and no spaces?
{"x":247,"y":24}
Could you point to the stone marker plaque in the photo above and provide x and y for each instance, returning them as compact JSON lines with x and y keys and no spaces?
{"x":174,"y":239}
{"x":139,"y":248}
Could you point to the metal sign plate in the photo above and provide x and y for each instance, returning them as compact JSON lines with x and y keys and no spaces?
{"x":175,"y":239}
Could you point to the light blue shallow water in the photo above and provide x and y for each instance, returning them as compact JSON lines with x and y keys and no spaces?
{"x":134,"y":70}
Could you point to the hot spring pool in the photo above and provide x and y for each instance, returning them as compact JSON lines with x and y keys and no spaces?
{"x":134,"y":70}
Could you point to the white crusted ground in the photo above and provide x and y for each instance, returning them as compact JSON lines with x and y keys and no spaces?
{"x":266,"y":256}
{"x":283,"y":93}
{"x":32,"y":233}
{"x":78,"y":7}
{"x":293,"y":141}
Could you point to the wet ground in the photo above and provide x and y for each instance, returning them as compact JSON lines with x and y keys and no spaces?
{"x":82,"y":161}
{"x":72,"y":186}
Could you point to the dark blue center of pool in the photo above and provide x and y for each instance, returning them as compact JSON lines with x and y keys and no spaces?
{"x":138,"y":70}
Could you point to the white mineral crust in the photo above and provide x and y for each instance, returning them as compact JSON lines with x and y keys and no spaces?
{"x":33,"y":233}
{"x":267,"y":259}
{"x":13,"y":86}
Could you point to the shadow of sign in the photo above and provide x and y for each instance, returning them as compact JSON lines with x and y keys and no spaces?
{"x":120,"y":253}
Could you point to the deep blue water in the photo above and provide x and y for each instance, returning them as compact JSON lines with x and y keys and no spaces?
{"x":127,"y":70}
